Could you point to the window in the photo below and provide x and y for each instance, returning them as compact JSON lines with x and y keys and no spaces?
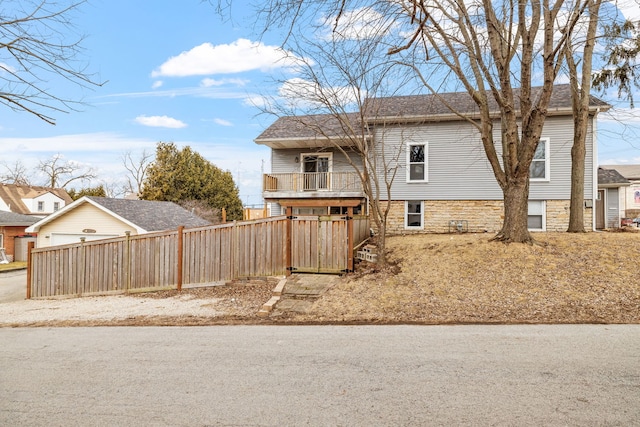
{"x":536,"y":216}
{"x":539,"y":169}
{"x":40,"y":206}
{"x":316,"y":169}
{"x":56,"y":206}
{"x":413,"y":214}
{"x":417,"y":163}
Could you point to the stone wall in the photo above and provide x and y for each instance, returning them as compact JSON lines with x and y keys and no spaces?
{"x":477,"y":215}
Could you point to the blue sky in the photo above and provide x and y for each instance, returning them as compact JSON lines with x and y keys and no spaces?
{"x":176,"y":72}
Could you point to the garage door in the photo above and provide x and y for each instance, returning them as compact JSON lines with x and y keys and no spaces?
{"x":65,"y":239}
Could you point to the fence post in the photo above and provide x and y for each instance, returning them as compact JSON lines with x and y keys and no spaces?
{"x":30,"y":246}
{"x":127,"y":271}
{"x":83,"y":254}
{"x":180,"y":251}
{"x":350,"y":245}
{"x":289,"y":226}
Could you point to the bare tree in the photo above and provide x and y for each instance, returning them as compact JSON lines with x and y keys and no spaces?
{"x":137,"y":169}
{"x":332,"y":90}
{"x":496,"y":51}
{"x":39,"y":46}
{"x":14,"y":173}
{"x":60,"y":174}
{"x":579,"y":62}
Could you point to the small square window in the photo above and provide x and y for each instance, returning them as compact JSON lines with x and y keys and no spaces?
{"x":414,"y":214}
{"x":56,"y":206}
{"x":536,"y":215}
{"x":40,"y":206}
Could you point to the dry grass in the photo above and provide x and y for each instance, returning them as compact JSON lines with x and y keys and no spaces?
{"x":569,"y":278}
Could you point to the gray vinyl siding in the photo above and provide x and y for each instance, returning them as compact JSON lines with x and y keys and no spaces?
{"x":459,"y":170}
{"x":283,"y":161}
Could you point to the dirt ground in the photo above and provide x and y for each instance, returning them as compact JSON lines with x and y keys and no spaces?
{"x":430,"y":279}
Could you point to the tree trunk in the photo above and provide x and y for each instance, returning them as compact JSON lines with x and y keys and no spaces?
{"x":576,"y":206}
{"x":516,"y":209}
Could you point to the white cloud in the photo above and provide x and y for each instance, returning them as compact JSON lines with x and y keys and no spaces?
{"x":84,"y":142}
{"x":221,"y":82}
{"x":239,"y":56}
{"x":358,"y":24}
{"x":300,"y":93}
{"x":160,"y":121}
{"x":629,"y":8}
{"x":222,"y":122}
{"x":157,"y":84}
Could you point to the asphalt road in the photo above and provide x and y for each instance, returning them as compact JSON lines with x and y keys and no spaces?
{"x":13,"y":286}
{"x":321,"y":376}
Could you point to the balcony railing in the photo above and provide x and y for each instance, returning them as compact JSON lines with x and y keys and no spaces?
{"x":312,"y":181}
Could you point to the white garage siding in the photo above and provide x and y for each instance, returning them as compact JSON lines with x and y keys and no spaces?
{"x":65,"y":239}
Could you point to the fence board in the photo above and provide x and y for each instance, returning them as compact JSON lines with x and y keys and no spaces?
{"x":210,"y":254}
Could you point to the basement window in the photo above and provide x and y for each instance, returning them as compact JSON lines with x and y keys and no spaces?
{"x":536,"y":218}
{"x":414,"y":217}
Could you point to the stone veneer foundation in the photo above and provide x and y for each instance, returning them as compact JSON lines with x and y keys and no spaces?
{"x":480,"y":216}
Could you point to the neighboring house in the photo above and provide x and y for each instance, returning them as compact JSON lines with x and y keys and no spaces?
{"x":630,"y":197}
{"x":30,"y":200}
{"x":100,"y":218}
{"x":443,"y":175}
{"x":610,"y":203}
{"x":12,"y":227}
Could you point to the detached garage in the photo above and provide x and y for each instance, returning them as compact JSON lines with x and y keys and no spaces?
{"x":94,"y":218}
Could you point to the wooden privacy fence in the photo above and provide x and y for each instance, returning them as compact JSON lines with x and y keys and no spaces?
{"x":170,"y":259}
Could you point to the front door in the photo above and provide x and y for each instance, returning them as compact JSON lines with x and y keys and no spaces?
{"x":316,"y":171}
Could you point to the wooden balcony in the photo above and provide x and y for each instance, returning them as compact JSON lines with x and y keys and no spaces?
{"x":311,"y":185}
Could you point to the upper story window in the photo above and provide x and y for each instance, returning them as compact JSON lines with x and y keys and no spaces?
{"x":539,"y":169}
{"x":56,"y":206}
{"x":40,"y":206}
{"x":417,"y":162}
{"x":316,"y":168}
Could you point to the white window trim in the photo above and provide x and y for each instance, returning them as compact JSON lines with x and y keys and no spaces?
{"x":406,"y":215}
{"x":544,"y":215}
{"x":426,"y":163}
{"x":547,"y":163}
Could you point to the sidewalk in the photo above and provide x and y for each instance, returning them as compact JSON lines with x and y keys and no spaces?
{"x":301,"y":290}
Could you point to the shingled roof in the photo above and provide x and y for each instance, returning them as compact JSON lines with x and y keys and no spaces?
{"x":461,"y":102}
{"x":12,"y":219}
{"x":145,"y":215}
{"x":312,"y":127}
{"x":611,"y":178}
{"x":399,"y":108}
{"x":13,"y":194}
{"x":631,"y":172}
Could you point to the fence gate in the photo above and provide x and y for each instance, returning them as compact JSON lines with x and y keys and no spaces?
{"x":319,"y":244}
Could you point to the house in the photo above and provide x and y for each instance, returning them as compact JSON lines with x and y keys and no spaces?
{"x":442,"y":174}
{"x":31,"y":200}
{"x":12,"y":229}
{"x":629,"y":197}
{"x":611,"y":200}
{"x":95,"y":218}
